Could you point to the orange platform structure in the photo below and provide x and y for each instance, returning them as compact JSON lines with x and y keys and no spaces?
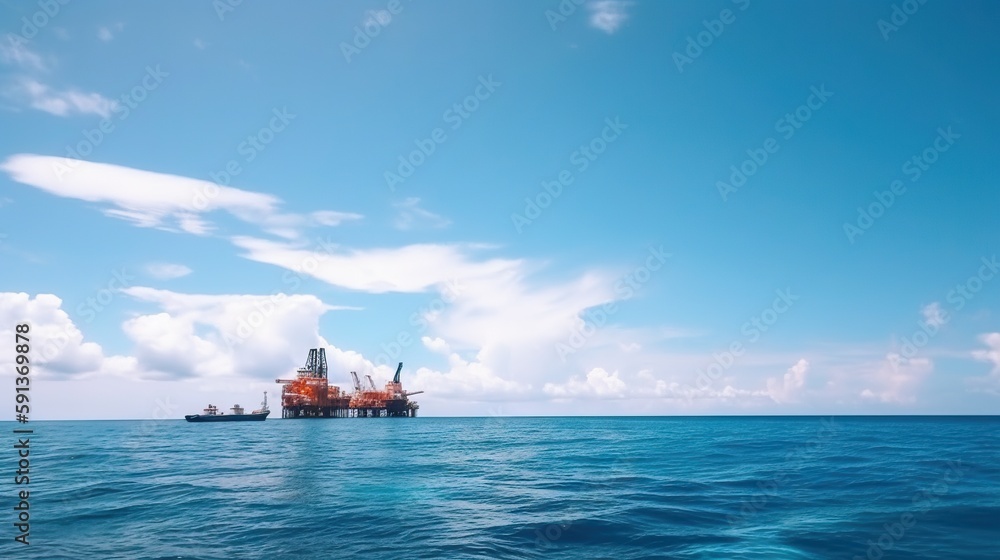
{"x":310,"y":395}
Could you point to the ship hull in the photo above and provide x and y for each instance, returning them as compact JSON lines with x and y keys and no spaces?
{"x":226,"y":417}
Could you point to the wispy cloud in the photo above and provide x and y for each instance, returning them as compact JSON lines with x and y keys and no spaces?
{"x":409,"y":269}
{"x":63,"y":103}
{"x":26,"y":87}
{"x":14,"y":52}
{"x":897,"y":378}
{"x":411,"y":216}
{"x":165,"y":201}
{"x":167,"y":271}
{"x":597,"y":384}
{"x":107,"y":33}
{"x":608,"y":15}
{"x":993,"y":354}
{"x":200,"y":44}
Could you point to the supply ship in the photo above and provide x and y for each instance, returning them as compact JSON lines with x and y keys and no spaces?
{"x":212,"y":414}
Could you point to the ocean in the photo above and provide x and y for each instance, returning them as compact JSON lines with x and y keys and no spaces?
{"x":682,"y":487}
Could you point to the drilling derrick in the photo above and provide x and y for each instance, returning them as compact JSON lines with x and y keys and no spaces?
{"x":310,"y":395}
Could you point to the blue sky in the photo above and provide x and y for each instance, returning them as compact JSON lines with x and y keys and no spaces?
{"x":371,"y":177}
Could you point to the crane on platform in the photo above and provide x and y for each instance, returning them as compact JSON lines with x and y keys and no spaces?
{"x":357,"y":382}
{"x":371,"y":382}
{"x":396,"y":382}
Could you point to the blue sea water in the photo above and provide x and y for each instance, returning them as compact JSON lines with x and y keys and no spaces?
{"x":733,"y":487}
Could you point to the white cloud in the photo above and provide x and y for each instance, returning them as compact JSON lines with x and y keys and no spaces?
{"x":598,"y":383}
{"x":28,"y":90}
{"x":412,"y":268}
{"x":226,"y":342}
{"x":200,"y":44}
{"x":14,"y":52}
{"x":190,"y":336}
{"x":167,"y":271}
{"x":787,"y":389}
{"x":934,"y":315}
{"x":168,"y":202}
{"x":474,"y":380}
{"x":495,"y":308}
{"x":436,"y":345}
{"x":498,"y":309}
{"x":58,"y":348}
{"x":897,"y":378}
{"x":411,"y":215}
{"x":61,"y":103}
{"x":645,"y":385}
{"x":993,"y":354}
{"x":106,"y":34}
{"x":608,"y":15}
{"x":206,"y":336}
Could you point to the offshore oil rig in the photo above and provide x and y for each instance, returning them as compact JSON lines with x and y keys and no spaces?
{"x":310,"y":395}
